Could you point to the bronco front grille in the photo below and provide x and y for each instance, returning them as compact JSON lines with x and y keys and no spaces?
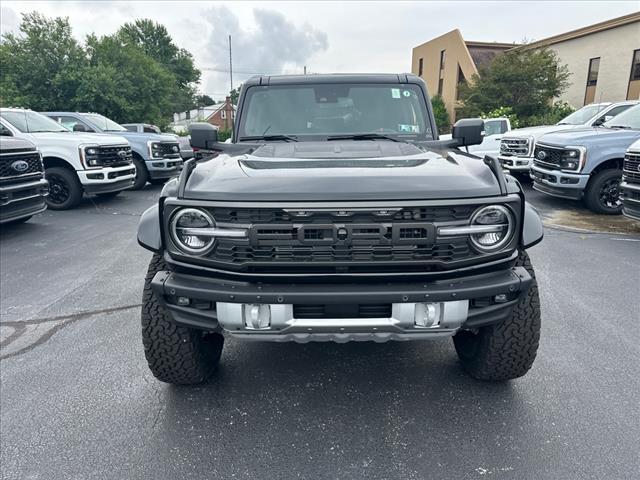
{"x":8,"y":164}
{"x":332,"y":240}
{"x":515,"y":147}
{"x":631,"y":168}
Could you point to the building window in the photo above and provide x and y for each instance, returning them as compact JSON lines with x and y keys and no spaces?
{"x":461,"y":81}
{"x":443,"y":56}
{"x":420,"y":67}
{"x":223,"y":115}
{"x":635,"y":66}
{"x":440,"y":86}
{"x":592,"y":78}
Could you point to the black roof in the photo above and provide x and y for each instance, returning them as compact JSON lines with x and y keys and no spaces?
{"x":334,"y":78}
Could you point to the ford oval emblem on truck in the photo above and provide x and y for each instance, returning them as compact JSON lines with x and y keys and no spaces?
{"x":541,"y":155}
{"x":123,"y":153}
{"x":20,"y":166}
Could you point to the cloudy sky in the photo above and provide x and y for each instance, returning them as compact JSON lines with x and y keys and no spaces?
{"x":283,"y":37}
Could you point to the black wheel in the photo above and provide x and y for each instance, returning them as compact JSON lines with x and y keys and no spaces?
{"x":603,"y":192}
{"x":175,"y":354}
{"x":158,"y":181}
{"x":108,"y":194}
{"x":65,"y":190}
{"x":141,"y":173}
{"x":505,"y":350}
{"x":18,"y":221}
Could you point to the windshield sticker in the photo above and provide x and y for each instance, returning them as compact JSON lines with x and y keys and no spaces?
{"x":406,"y":93}
{"x":402,"y":128}
{"x":395,"y":93}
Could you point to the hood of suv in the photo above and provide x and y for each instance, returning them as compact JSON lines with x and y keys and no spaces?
{"x":341,"y":170}
{"x":79,"y":138}
{"x":591,"y":135}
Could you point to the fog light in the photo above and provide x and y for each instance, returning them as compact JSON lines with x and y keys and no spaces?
{"x":500,"y":298}
{"x":184,"y":300}
{"x":426,"y":315}
{"x":256,"y":317}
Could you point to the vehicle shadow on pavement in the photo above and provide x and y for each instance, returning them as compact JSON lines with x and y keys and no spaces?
{"x":356,"y":400}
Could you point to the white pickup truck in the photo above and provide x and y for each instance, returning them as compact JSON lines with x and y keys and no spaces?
{"x":74,"y":162}
{"x":517,"y":146}
{"x":494,"y":128}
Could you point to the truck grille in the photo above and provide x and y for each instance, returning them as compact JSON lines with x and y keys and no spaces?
{"x":170,"y":149}
{"x":631,"y":168}
{"x":8,"y":159}
{"x":334,"y":240}
{"x":510,"y":147}
{"x":112,"y":156}
{"x":547,"y":156}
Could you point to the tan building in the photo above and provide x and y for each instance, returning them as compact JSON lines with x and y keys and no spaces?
{"x":603,"y":59}
{"x":449,"y":60}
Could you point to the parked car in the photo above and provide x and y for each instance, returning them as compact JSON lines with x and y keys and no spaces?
{"x":23,"y":188}
{"x":156,"y":156}
{"x":141,"y":127}
{"x":516,"y":147}
{"x":494,"y":128}
{"x":586,"y":163}
{"x":630,"y":185}
{"x":74,"y":163}
{"x":335,"y":214}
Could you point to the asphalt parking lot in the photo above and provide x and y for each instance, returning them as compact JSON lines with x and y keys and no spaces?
{"x":77,"y":400}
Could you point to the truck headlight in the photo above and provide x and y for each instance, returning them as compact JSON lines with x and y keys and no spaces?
{"x":155,"y":149}
{"x":495,"y":226}
{"x":183,"y":227}
{"x":573,"y":158}
{"x":89,"y":156}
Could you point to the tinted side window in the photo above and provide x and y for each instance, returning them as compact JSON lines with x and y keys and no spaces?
{"x":131,"y":128}
{"x":612,"y":113}
{"x":4,"y":131}
{"x":71,"y":122}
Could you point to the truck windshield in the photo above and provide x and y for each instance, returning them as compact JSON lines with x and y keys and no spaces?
{"x":319,"y":111}
{"x":628,"y":120}
{"x":103,"y":123}
{"x":32,"y":122}
{"x":580,"y":117}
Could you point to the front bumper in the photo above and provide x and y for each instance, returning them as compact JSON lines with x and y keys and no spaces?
{"x":102,"y":180}
{"x":515,"y":164}
{"x":630,"y":200}
{"x":22,"y":200}
{"x":222,"y":305}
{"x":164,"y":167}
{"x":558,"y":183}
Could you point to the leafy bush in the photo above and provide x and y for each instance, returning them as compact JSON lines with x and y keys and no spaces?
{"x":441,"y":115}
{"x":556,"y":112}
{"x":223,"y":135}
{"x":503,"y":112}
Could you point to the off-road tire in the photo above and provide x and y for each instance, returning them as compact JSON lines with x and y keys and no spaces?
{"x":592,"y":195}
{"x":142,"y":176}
{"x":506,"y":350}
{"x":175,"y":354}
{"x":71,"y":188}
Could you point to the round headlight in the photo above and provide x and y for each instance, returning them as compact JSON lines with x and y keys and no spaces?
{"x":184,"y":225}
{"x":492,"y":216}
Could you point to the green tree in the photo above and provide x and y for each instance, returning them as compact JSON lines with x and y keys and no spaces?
{"x":441,"y":115}
{"x":235,"y":94}
{"x":203,"y":101}
{"x":41,"y":68}
{"x":524,"y":79}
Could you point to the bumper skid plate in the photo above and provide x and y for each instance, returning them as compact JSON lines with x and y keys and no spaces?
{"x":267,"y":311}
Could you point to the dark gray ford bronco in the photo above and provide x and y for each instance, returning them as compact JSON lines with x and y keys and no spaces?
{"x":336,"y":214}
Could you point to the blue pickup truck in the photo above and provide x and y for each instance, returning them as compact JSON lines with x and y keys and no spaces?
{"x":155,"y":156}
{"x":586,"y":163}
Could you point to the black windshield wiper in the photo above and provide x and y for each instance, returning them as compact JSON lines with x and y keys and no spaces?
{"x":286,"y":138}
{"x":362,"y":136}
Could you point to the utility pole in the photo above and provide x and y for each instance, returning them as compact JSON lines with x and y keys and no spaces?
{"x":230,"y":65}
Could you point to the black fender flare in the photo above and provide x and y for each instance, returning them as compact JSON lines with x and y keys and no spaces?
{"x":150,"y":224}
{"x":532,"y":228}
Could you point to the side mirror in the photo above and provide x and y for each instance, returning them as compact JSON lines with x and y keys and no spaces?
{"x":79,"y":127}
{"x":203,"y":135}
{"x":468,"y":131}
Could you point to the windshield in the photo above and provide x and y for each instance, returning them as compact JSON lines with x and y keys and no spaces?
{"x":629,"y":119}
{"x":103,"y":123}
{"x":326,"y":110}
{"x":32,"y":122}
{"x":581,"y":116}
